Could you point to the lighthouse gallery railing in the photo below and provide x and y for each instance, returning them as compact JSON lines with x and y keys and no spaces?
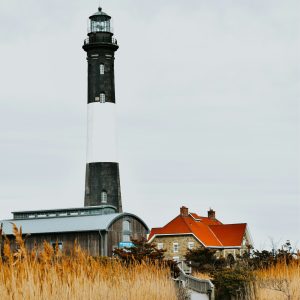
{"x":93,"y":39}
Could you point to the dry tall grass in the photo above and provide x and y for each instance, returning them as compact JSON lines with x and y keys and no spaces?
{"x":201,"y":275}
{"x":280,"y":282}
{"x":50,"y":274}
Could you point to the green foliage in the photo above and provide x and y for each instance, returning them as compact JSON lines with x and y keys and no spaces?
{"x":140,"y":251}
{"x":230,"y":275}
{"x":204,"y":259}
{"x":266,"y":259}
{"x":146,"y":253}
{"x":230,"y":281}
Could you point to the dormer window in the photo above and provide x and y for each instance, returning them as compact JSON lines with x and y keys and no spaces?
{"x":102,"y":98}
{"x":103,"y":197}
{"x":101,"y":67}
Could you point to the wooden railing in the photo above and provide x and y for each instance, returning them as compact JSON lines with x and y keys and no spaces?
{"x":203,"y":286}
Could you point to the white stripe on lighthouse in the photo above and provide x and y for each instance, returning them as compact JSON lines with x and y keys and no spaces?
{"x":101,"y":132}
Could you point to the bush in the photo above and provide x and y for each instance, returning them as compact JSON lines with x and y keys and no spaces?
{"x":229,"y":282}
{"x":140,"y":251}
{"x":143,"y":252}
{"x":204,"y":260}
{"x":267,"y":259}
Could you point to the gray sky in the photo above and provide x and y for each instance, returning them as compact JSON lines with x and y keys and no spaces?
{"x":207,"y":95}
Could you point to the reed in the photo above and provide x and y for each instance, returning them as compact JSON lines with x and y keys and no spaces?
{"x":50,"y":274}
{"x":280,"y":282}
{"x":201,"y":275}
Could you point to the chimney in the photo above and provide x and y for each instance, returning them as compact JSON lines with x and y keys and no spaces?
{"x":211,"y":214}
{"x":184,"y":211}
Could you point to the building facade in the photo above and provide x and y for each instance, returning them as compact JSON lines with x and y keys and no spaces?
{"x":97,"y":230}
{"x":191,"y":231}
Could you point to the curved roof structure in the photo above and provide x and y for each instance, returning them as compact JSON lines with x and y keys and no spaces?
{"x":66,"y":224}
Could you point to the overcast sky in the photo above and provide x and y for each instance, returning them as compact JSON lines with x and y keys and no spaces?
{"x":207,"y":98}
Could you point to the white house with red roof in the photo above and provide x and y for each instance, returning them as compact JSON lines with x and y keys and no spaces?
{"x":189,"y":230}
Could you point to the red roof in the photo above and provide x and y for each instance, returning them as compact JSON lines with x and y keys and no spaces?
{"x":209,"y":231}
{"x":206,"y":220}
{"x":229,"y":234}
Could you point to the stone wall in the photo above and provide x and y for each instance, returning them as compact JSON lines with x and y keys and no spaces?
{"x":182,"y":241}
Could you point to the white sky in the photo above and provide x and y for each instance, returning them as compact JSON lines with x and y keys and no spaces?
{"x":207,"y":95}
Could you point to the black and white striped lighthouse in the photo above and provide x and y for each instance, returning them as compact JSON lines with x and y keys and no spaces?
{"x":102,"y":183}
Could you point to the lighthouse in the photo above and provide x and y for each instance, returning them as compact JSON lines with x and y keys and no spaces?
{"x":102,"y":182}
{"x":100,"y":226}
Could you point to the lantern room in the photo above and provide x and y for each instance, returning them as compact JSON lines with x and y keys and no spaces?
{"x":100,"y":22}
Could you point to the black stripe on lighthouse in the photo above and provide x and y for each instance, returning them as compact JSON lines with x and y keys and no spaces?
{"x":102,"y":183}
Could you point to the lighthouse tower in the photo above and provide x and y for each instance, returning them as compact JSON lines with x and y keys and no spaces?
{"x":102,"y":183}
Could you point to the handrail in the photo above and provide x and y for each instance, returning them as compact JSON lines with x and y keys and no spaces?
{"x":203,"y":286}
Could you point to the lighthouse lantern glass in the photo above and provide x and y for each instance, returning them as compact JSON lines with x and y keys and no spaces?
{"x":100,"y":26}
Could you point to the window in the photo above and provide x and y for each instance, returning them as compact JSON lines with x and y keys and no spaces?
{"x":59,"y":245}
{"x":103,"y":197}
{"x":126,"y":225}
{"x":102,"y":98}
{"x":126,"y":238}
{"x":176,"y":258}
{"x":175,"y":247}
{"x":160,"y":246}
{"x":191,"y":245}
{"x":101,"y":67}
{"x":102,"y":25}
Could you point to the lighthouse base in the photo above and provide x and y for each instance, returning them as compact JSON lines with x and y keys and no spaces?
{"x":102,"y":185}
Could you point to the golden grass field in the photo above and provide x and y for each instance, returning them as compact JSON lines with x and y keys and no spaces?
{"x":277,"y":283}
{"x":50,"y":274}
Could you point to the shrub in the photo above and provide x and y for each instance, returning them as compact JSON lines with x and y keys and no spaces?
{"x":143,"y":252}
{"x":204,"y":260}
{"x":229,"y":282}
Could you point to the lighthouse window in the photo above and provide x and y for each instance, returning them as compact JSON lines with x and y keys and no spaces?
{"x":101,"y":69}
{"x":103,"y":197}
{"x":102,"y":98}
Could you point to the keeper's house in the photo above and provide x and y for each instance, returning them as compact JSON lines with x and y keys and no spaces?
{"x":97,"y":230}
{"x":190,"y":231}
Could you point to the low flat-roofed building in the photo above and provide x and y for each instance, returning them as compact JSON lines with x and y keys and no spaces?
{"x":97,"y":229}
